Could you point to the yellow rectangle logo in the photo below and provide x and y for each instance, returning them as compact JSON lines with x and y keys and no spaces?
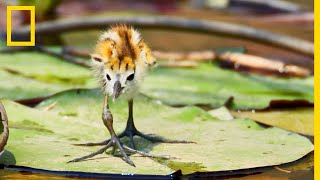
{"x":32,"y":25}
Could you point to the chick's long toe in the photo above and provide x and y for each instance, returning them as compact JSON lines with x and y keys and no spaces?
{"x":115,"y":143}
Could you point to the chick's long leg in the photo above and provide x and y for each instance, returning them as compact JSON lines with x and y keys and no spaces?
{"x":114,"y":141}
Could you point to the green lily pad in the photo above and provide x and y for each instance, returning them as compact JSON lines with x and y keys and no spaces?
{"x":19,"y":87}
{"x":42,"y":137}
{"x":45,"y":68}
{"x":30,"y":75}
{"x":206,"y":85}
{"x":213,"y":86}
{"x":297,"y":120}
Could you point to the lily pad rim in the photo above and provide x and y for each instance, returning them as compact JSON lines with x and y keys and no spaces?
{"x":176,"y":174}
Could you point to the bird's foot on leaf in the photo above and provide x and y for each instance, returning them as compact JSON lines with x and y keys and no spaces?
{"x":130,"y":132}
{"x":115,"y":143}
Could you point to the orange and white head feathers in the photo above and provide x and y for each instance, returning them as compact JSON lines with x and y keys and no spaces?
{"x":121,"y":56}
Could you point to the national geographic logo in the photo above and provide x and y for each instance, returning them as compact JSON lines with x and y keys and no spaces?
{"x":32,"y":26}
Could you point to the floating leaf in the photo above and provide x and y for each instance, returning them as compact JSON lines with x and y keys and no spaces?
{"x":45,"y":68}
{"x":18,"y":87}
{"x":208,"y":84}
{"x":43,"y":139}
{"x":30,"y":75}
{"x":211,"y":85}
{"x":298,"y":119}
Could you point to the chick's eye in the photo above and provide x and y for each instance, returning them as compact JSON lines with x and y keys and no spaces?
{"x":131,"y":77}
{"x":108,"y":77}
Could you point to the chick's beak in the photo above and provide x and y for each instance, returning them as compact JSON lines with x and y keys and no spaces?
{"x":117,"y":89}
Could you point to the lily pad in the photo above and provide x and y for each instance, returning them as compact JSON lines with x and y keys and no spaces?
{"x":42,"y":137}
{"x":206,"y":85}
{"x":45,"y":68}
{"x":19,"y":87}
{"x":30,"y":75}
{"x":297,"y":120}
{"x":213,"y":86}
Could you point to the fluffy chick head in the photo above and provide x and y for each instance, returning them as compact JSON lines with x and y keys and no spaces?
{"x":120,"y":61}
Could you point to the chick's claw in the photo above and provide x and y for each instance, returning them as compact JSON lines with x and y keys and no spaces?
{"x":113,"y":142}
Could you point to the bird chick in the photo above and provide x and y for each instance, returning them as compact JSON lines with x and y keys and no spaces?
{"x":120,"y":62}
